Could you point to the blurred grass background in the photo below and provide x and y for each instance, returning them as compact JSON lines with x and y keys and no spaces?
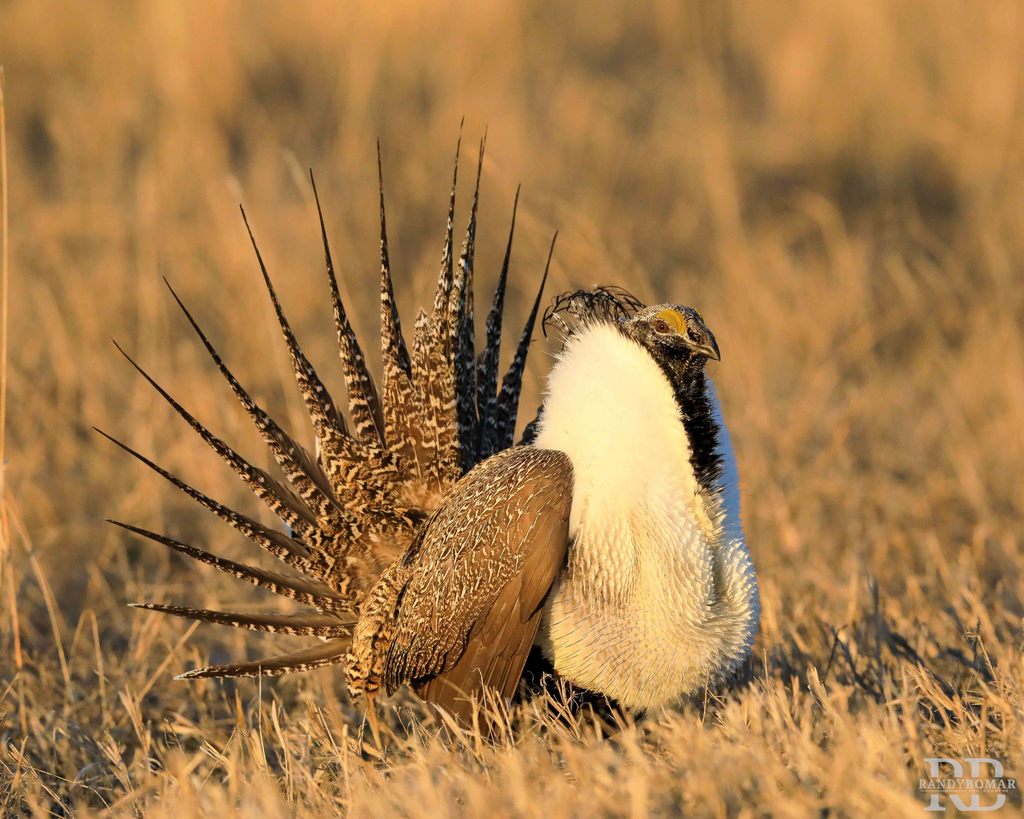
{"x":839,"y":187}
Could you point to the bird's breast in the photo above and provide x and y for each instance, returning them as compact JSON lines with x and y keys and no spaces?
{"x":634,"y":613}
{"x":651,"y":603}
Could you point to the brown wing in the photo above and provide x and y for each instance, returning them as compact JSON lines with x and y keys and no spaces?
{"x":468,"y":612}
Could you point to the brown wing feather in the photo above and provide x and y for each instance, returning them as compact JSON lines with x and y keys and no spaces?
{"x":468,"y":606}
{"x":500,"y":642}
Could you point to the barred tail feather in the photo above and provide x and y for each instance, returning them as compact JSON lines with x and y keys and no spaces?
{"x":348,"y":463}
{"x":435,"y":384}
{"x":303,"y":590}
{"x":363,"y":403}
{"x":328,"y":653}
{"x":442,"y":294}
{"x":327,"y":421}
{"x":302,"y":472}
{"x":281,"y":501}
{"x":487,"y":367}
{"x":291,"y":551}
{"x":399,"y":422}
{"x":512,"y":384}
{"x":309,"y":625}
{"x":461,"y":328}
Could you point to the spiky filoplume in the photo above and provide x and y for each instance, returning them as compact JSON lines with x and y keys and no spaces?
{"x":354,"y":507}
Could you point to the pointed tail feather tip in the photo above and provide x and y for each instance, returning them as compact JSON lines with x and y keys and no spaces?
{"x":328,"y":653}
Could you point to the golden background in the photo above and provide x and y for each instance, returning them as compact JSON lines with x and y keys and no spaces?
{"x":838,"y":186}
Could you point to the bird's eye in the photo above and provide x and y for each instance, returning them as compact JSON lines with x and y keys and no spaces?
{"x":661,"y":326}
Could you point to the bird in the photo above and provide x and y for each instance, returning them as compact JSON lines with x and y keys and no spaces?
{"x":433,"y":550}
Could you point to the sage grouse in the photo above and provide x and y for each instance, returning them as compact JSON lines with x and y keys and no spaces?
{"x":435,"y":553}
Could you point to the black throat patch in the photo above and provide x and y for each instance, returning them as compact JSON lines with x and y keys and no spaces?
{"x":689,"y":383}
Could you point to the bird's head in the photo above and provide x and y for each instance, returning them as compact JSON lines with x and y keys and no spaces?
{"x":674,"y":335}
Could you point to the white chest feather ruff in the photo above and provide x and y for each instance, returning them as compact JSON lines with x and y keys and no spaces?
{"x":659,"y":594}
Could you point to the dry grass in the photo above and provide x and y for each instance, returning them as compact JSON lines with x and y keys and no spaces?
{"x":838,"y":186}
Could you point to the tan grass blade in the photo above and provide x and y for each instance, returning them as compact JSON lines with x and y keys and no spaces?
{"x":4,"y":279}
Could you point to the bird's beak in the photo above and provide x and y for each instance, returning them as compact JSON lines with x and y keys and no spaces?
{"x":709,"y":347}
{"x":710,"y":350}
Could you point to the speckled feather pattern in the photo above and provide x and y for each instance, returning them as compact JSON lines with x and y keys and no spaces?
{"x":487,"y":363}
{"x":470,"y":550}
{"x":363,"y":402}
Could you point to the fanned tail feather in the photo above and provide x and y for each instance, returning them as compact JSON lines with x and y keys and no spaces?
{"x":367,"y":476}
{"x":302,"y":472}
{"x":461,"y":329}
{"x":327,"y":421}
{"x":512,"y":384}
{"x":291,"y":551}
{"x":400,"y":428}
{"x":363,"y":403}
{"x":487,"y":367}
{"x":306,"y":625}
{"x":280,"y":500}
{"x":357,"y":504}
{"x":303,"y":590}
{"x":442,"y":294}
{"x":329,"y":653}
{"x":435,"y":386}
{"x":341,"y":457}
